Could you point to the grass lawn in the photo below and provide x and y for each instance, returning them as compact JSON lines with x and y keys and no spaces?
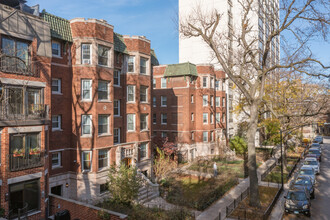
{"x":137,"y":212}
{"x":194,"y":192}
{"x":275,"y":175}
{"x":266,"y":195}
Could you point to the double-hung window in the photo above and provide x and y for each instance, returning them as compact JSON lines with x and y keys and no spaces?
{"x":192,"y":117}
{"x":103,"y":90}
{"x":130,"y":122}
{"x":116,"y":77}
{"x":205,"y":100}
{"x":116,"y":135}
{"x":56,"y":159}
{"x":223,"y":101}
{"x":116,"y":108}
{"x":143,"y":66}
{"x":205,"y":136}
{"x":154,"y":118}
{"x":205,"y":118}
{"x":154,"y":101}
{"x":86,"y":51}
{"x":103,"y":124}
{"x":163,"y":118}
{"x":56,"y":49}
{"x":103,"y":55}
{"x":86,"y":124}
{"x":143,"y":94}
{"x":103,"y":159}
{"x":217,"y":117}
{"x":211,"y":118}
{"x":56,"y":86}
{"x":163,"y":83}
{"x":154,"y":83}
{"x":56,"y":122}
{"x":211,"y":100}
{"x":212,"y":82}
{"x":86,"y":88}
{"x":217,"y":101}
{"x":131,"y":64}
{"x":143,"y":122}
{"x":192,"y":98}
{"x":143,"y":150}
{"x":204,"y":81}
{"x":86,"y":160}
{"x":212,"y":135}
{"x":163,"y":100}
{"x":130,"y":93}
{"x":217,"y":85}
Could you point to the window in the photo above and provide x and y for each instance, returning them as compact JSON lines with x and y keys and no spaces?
{"x":116,"y":108}
{"x":154,"y":101}
{"x":56,"y":159}
{"x":86,"y":161}
{"x":56,"y":190}
{"x":222,"y":85}
{"x":116,"y":78}
{"x":192,"y":136}
{"x":104,"y":188}
{"x":103,"y":55}
{"x":217,"y":85}
{"x":212,"y":135}
{"x":205,"y":136}
{"x":86,"y":54}
{"x":103,"y":124}
{"x":143,"y":66}
{"x":154,"y":118}
{"x":223,"y":101}
{"x":56,"y":49}
{"x":163,"y":83}
{"x":192,"y":98}
{"x":130,"y":93}
{"x":22,"y":148}
{"x":56,"y":86}
{"x":144,"y":94}
{"x":211,"y":118}
{"x":217,"y":101}
{"x":130,"y":64}
{"x":192,"y":116}
{"x":204,"y":81}
{"x":56,"y":122}
{"x":163,"y":100}
{"x":163,"y":118}
{"x":164,"y":134}
{"x":223,"y":118}
{"x":212,"y":82}
{"x":205,"y":100}
{"x":217,"y":117}
{"x":116,"y":135}
{"x":103,"y":90}
{"x":130,"y":122}
{"x":103,"y":159}
{"x":143,"y":122}
{"x":143,"y":151}
{"x":211,"y":100}
{"x":86,"y":124}
{"x":15,"y":48}
{"x":86,"y":88}
{"x":205,"y":118}
{"x":154,"y":83}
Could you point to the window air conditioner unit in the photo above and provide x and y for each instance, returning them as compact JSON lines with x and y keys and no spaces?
{"x":86,"y":61}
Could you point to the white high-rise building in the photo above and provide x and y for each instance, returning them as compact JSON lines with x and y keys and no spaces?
{"x":264,"y":17}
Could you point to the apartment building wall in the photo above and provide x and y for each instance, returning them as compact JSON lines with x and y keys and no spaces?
{"x":24,"y":109}
{"x":185,"y":108}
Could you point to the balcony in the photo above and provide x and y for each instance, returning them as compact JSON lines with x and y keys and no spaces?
{"x":25,"y":160}
{"x":13,"y":65}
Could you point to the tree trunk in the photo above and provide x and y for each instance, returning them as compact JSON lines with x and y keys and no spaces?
{"x":246,"y":169}
{"x":252,"y":161}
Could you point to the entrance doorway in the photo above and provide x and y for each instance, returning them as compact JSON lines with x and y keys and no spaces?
{"x":127,"y":161}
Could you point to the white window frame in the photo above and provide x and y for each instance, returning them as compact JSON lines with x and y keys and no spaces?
{"x":192,"y":117}
{"x":133,"y":93}
{"x":128,"y":62}
{"x":207,"y":120}
{"x":223,"y":102}
{"x":116,"y":75}
{"x":59,"y":49}
{"x":217,"y":101}
{"x":207,"y":136}
{"x":218,"y":117}
{"x":82,"y":126}
{"x":59,"y":121}
{"x":212,"y":135}
{"x":98,"y":159}
{"x":212,"y":82}
{"x":146,"y":62}
{"x":211,"y":100}
{"x":116,"y":102}
{"x":146,"y":93}
{"x":90,"y":89}
{"x":116,"y":134}
{"x":108,"y":55}
{"x":204,"y":84}
{"x":217,"y":85}
{"x":146,"y":117}
{"x":82,"y":162}
{"x":59,"y":164}
{"x":86,"y":61}
{"x":146,"y":156}
{"x":192,"y":99}
{"x":154,"y":83}
{"x":108,"y":90}
{"x":163,"y":83}
{"x":211,"y":118}
{"x":205,"y":100}
{"x":108,"y":124}
{"x":59,"y":86}
{"x":134,"y":123}
{"x":162,"y":118}
{"x":163,"y":99}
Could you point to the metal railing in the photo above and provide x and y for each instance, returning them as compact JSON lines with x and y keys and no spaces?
{"x":231,"y":207}
{"x":19,"y":213}
{"x":14,"y":65}
{"x":26,"y":160}
{"x":19,"y":111}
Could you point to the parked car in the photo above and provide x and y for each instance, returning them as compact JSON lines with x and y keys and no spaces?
{"x":298,"y":201}
{"x":311,"y":155}
{"x":316,"y":152}
{"x":317,"y":146}
{"x":313,"y":163}
{"x":318,"y":139}
{"x":304,"y":182}
{"x":307,"y":171}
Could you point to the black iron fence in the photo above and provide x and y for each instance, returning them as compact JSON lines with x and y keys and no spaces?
{"x":25,"y":160}
{"x":19,"y":111}
{"x":14,"y":65}
{"x":231,"y":207}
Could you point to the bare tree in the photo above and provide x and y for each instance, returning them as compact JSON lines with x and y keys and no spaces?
{"x":248,"y":65}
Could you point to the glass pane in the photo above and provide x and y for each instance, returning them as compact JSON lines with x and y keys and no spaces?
{"x":23,"y":54}
{"x":15,"y":100}
{"x":16,"y":143}
{"x":31,"y":195}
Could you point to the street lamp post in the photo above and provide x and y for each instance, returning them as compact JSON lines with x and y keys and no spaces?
{"x":281,"y":158}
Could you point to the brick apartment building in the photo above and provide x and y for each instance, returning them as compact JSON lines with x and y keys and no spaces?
{"x":189,"y":108}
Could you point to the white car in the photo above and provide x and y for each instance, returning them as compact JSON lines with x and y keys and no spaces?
{"x":313,"y":163}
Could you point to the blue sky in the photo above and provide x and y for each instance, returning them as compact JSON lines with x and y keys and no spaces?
{"x":151,"y":18}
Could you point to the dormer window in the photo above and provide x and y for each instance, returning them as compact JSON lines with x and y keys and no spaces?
{"x":86,"y":54}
